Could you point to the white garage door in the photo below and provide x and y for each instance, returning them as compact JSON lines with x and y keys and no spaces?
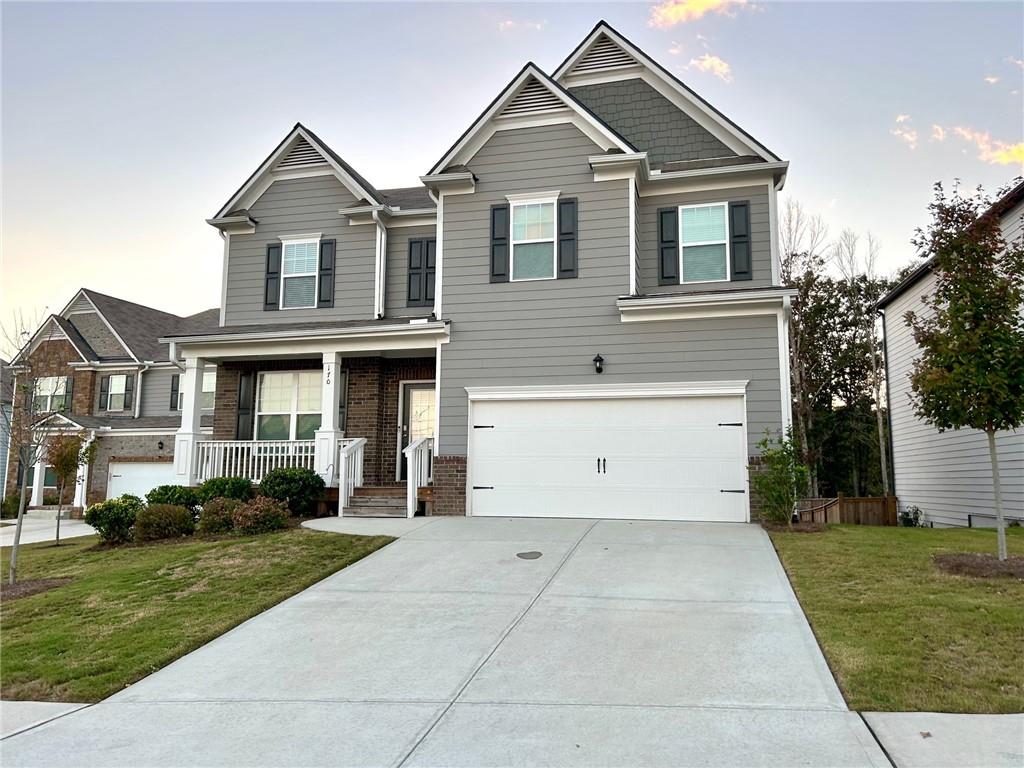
{"x":138,"y":478}
{"x":666,"y":458}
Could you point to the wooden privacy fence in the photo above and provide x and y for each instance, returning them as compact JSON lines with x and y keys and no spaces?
{"x":852,"y":510}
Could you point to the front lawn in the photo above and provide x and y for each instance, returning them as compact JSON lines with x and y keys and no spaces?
{"x":130,"y":610}
{"x":898,"y":634}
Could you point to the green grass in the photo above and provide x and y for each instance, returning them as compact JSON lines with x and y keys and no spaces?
{"x":131,"y":610}
{"x":902,"y":636}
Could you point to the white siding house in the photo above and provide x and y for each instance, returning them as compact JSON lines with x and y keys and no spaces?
{"x":946,"y":475}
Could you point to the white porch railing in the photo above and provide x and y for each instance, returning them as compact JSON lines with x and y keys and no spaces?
{"x":418,"y":457}
{"x":350,"y":469}
{"x":249,"y":458}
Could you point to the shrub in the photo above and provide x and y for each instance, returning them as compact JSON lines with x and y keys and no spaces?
{"x":260,"y":515}
{"x":226,"y":488}
{"x":175,"y":495}
{"x":113,"y":519}
{"x":217,"y":515}
{"x":911,"y":517}
{"x":779,"y":478}
{"x":299,"y":488}
{"x":51,"y":498}
{"x":9,"y":506}
{"x":163,"y":521}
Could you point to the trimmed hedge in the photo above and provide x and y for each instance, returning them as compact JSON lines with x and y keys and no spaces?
{"x":113,"y":519}
{"x":226,"y":488}
{"x":175,"y":495}
{"x":297,"y":487}
{"x":261,"y":515}
{"x":163,"y":521}
{"x":218,"y":515}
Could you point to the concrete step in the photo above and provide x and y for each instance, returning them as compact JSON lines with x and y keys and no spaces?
{"x":377,"y":501}
{"x":386,"y":491}
{"x":361,"y":511}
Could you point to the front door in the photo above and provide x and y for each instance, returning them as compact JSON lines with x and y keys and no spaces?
{"x":416,"y":405}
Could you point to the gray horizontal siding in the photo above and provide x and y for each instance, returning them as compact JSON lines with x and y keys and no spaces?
{"x":396,"y":280}
{"x":547,"y":332}
{"x":760,"y":232}
{"x":946,"y":474}
{"x":300,"y":206}
{"x":156,"y":392}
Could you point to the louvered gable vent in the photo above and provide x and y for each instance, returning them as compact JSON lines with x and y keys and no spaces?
{"x":533,"y":97}
{"x":603,"y":54}
{"x":302,"y":155}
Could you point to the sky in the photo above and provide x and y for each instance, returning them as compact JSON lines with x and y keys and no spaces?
{"x":126,"y":125}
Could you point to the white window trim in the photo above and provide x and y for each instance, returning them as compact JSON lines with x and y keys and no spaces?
{"x":111,"y":392}
{"x":728,"y":255}
{"x":60,"y":383}
{"x":315,"y":274}
{"x":294,"y":411}
{"x":519,"y":201}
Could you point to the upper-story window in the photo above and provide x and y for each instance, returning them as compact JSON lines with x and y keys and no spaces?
{"x":704,"y":239}
{"x":299,"y":273}
{"x":116,"y":392}
{"x":50,"y":394}
{"x":206,"y":397}
{"x":533,"y":239}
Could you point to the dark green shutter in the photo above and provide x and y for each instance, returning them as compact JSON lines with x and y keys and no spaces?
{"x":499,"y":243}
{"x":422,"y":264}
{"x":175,"y":384}
{"x":568,"y":221}
{"x":69,"y":392}
{"x":272,"y":282}
{"x":741,"y":267}
{"x":129,"y":386}
{"x":104,"y":392}
{"x":428,"y":278}
{"x":246,"y":406}
{"x":668,"y":246}
{"x":325,"y":297}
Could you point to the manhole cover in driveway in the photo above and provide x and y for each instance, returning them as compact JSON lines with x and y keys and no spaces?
{"x":528,"y":555}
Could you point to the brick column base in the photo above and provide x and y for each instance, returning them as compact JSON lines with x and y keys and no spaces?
{"x":449,"y":478}
{"x":754,"y":467}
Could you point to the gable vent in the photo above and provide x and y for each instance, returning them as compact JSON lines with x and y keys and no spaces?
{"x":532,"y":98}
{"x":604,"y":54}
{"x":302,"y":155}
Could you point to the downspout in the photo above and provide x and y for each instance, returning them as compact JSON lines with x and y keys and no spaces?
{"x":138,"y":390}
{"x":382,"y":258}
{"x":438,"y":199}
{"x":888,"y":404}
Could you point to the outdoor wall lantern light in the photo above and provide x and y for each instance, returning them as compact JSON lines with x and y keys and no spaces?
{"x":160,"y":445}
{"x":598,"y":363}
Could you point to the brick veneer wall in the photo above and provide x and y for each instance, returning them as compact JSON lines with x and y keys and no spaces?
{"x":393,"y":373}
{"x":134,"y":448}
{"x":449,"y":485}
{"x":754,"y":466}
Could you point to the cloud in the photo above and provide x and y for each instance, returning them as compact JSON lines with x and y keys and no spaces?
{"x":908,"y":135}
{"x":1014,"y":60}
{"x":938,"y":133}
{"x":991,"y":79}
{"x":991,"y":151}
{"x":668,"y":13}
{"x":712,"y":65}
{"x":676,"y":49}
{"x":510,"y":25}
{"x":900,"y":119}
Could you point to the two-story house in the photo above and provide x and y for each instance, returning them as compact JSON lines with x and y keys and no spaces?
{"x":97,"y":368}
{"x":578,"y":312}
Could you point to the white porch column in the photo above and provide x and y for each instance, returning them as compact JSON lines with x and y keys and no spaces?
{"x":191,"y":412}
{"x":325,"y":459}
{"x":38,"y":480}
{"x":82,"y":481}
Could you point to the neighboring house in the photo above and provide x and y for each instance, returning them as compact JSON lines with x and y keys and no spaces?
{"x":578,"y":313}
{"x":947,"y":475}
{"x":6,"y":414}
{"x":97,"y":367}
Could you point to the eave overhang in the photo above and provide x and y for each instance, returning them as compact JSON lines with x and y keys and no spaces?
{"x":460,"y":183}
{"x":234,"y":225}
{"x":637,"y":165}
{"x":692,"y":306}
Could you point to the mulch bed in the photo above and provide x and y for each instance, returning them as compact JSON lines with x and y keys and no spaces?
{"x":29,"y":587}
{"x":794,"y":528}
{"x":981,"y":566}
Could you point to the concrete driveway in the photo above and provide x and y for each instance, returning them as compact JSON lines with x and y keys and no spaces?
{"x":624,"y":643}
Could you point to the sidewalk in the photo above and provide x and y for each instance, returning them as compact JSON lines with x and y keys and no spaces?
{"x":938,"y":740}
{"x":35,"y":530}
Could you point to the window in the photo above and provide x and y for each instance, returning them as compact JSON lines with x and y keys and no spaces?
{"x":288,"y":405}
{"x":704,"y":241}
{"x":299,"y":263}
{"x":533,"y":239}
{"x":49,"y":477}
{"x":50,"y":394}
{"x":209,"y":393}
{"x":115,"y":394}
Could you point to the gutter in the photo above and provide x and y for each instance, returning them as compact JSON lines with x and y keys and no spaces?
{"x":410,"y":329}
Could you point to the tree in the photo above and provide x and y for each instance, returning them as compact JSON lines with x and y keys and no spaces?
{"x":864,"y":289}
{"x":970,"y":373}
{"x":67,"y":454}
{"x":779,"y":478}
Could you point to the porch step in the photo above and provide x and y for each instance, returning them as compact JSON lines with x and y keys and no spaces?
{"x":387,"y":491}
{"x":376,"y":501}
{"x":374,"y":511}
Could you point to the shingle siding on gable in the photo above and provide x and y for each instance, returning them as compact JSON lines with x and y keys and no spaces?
{"x":98,"y":335}
{"x":295,"y":207}
{"x":548,"y":331}
{"x":760,"y":235}
{"x":650,"y":121}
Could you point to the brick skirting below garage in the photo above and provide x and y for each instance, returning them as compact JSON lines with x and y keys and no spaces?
{"x":449,"y":478}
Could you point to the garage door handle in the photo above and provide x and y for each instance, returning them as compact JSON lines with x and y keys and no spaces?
{"x":604,"y":466}
{"x":730,"y":490}
{"x":730,"y":423}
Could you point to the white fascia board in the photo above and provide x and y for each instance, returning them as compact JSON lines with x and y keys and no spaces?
{"x":708,"y":179}
{"x":304,"y":333}
{"x":462,"y":183}
{"x":690,"y":306}
{"x":470,"y":142}
{"x":609,"y":391}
